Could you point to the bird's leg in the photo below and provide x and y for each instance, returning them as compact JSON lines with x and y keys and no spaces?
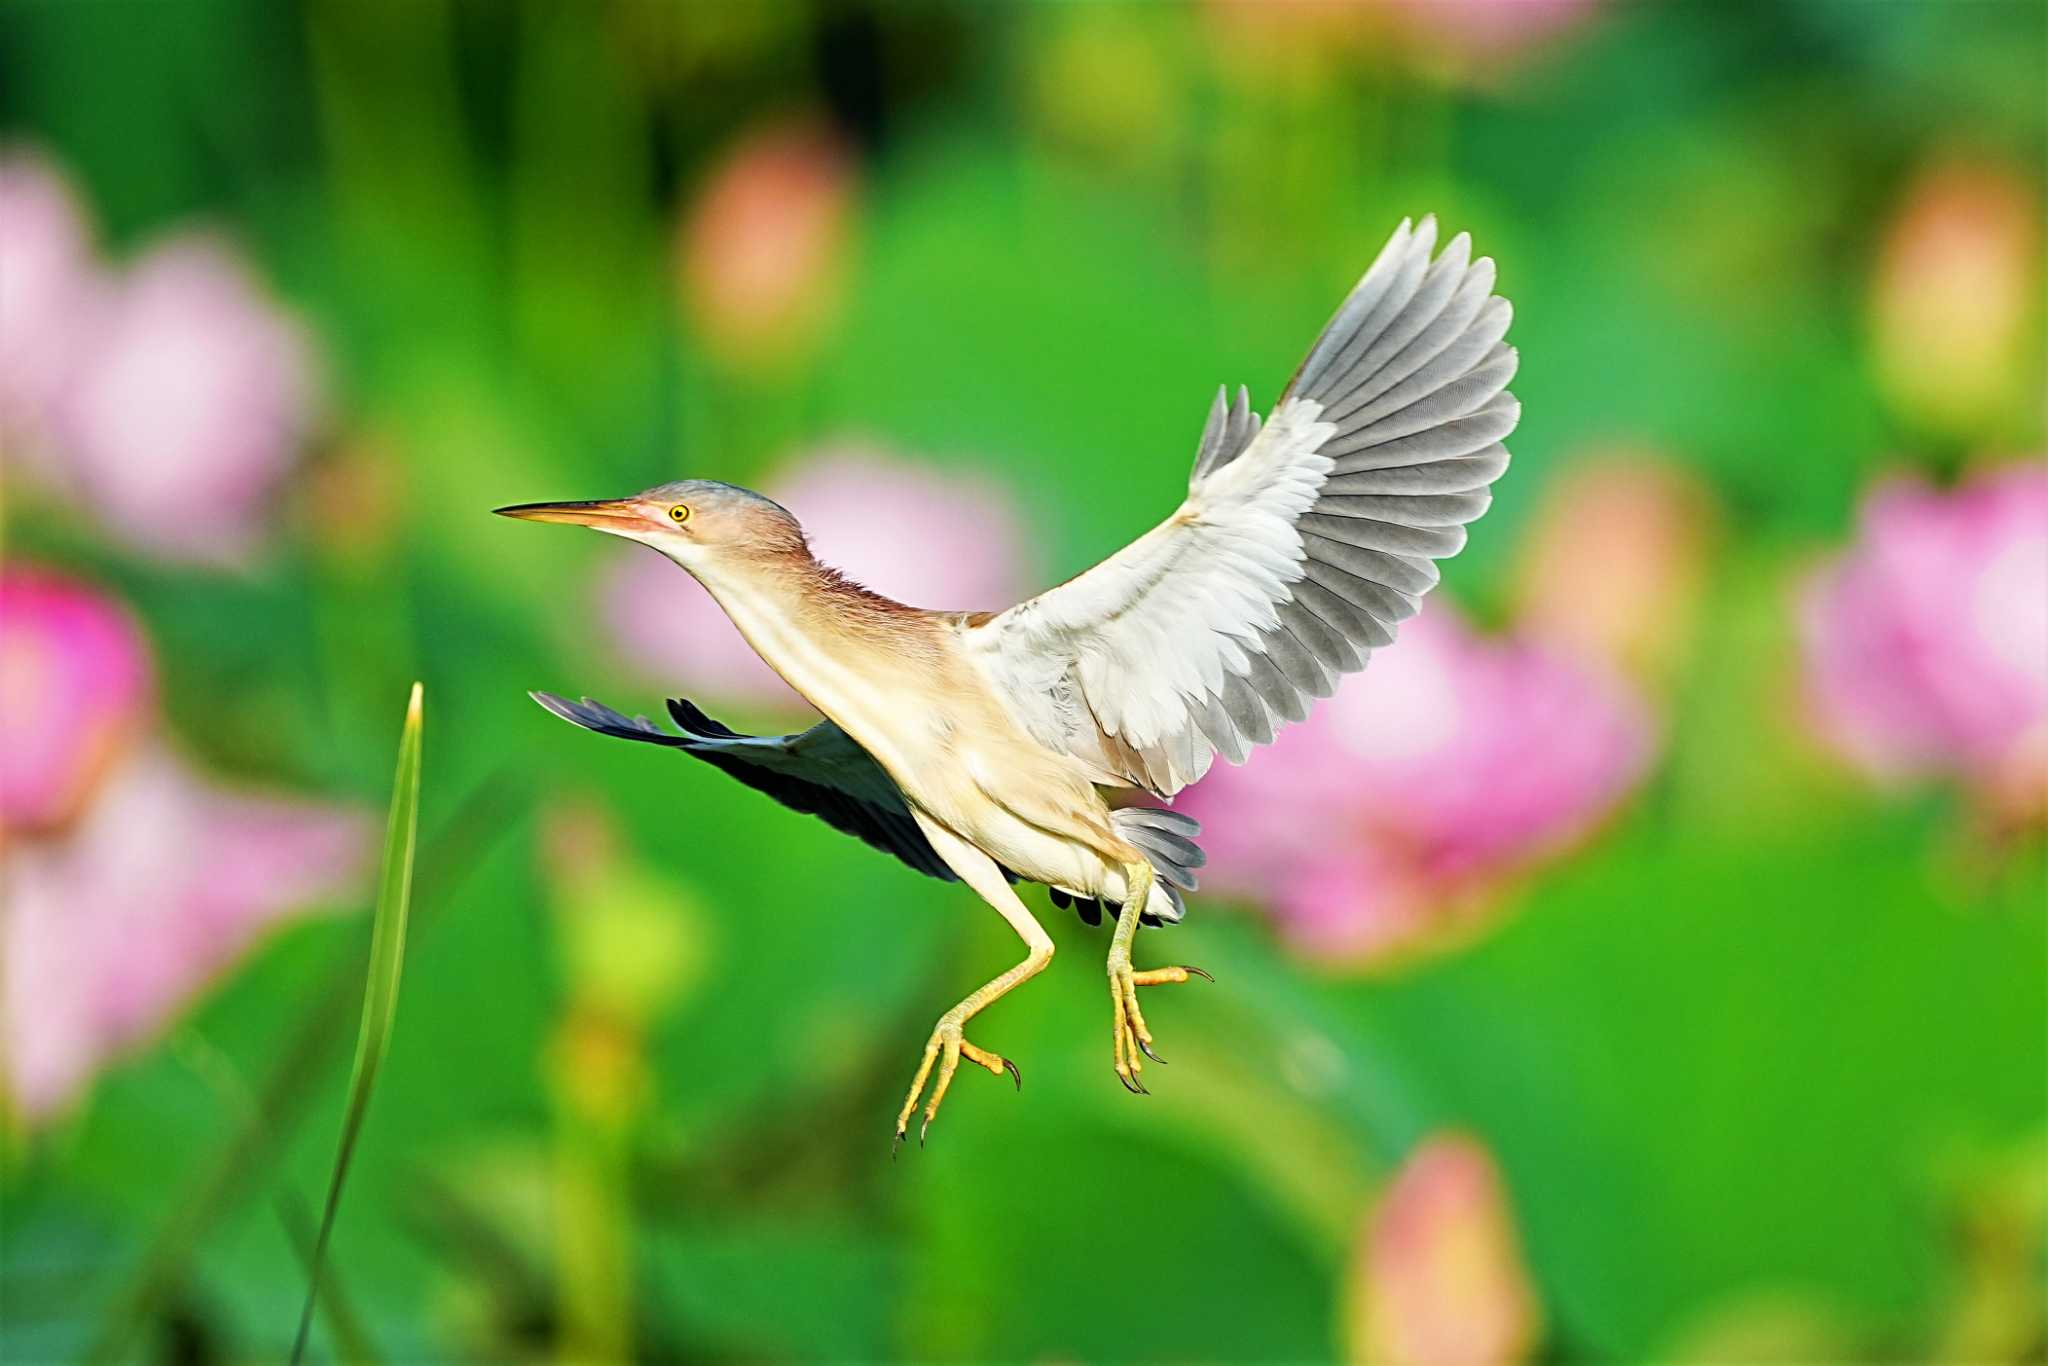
{"x":948,"y":1045}
{"x":1128,"y":1034}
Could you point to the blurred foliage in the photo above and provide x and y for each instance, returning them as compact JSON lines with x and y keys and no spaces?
{"x":1773,"y":1036}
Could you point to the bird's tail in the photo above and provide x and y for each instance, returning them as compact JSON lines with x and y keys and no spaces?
{"x":1167,"y":840}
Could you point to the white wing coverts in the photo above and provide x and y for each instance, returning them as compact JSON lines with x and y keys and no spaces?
{"x":1300,"y":546}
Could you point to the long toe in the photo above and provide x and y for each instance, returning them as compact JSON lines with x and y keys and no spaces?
{"x":1130,"y":1036}
{"x":943,"y":1054}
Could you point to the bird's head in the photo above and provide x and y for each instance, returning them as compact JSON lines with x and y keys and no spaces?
{"x":692,"y":521}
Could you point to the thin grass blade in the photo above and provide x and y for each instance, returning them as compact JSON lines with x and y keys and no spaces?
{"x":351,"y":1340}
{"x":380,"y":991}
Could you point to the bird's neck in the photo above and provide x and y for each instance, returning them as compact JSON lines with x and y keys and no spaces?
{"x":841,"y":646}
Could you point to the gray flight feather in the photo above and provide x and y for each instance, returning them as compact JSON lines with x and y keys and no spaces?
{"x":1359,"y":626}
{"x":1385,"y":603}
{"x":1460,"y":474}
{"x":1229,"y":431}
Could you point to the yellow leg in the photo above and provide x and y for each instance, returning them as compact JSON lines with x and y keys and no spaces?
{"x":948,"y":1045}
{"x":1129,"y":1035}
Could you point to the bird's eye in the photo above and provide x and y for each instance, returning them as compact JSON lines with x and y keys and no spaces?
{"x":680,"y":513}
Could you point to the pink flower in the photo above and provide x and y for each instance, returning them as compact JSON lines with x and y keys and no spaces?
{"x":1439,"y":1278}
{"x":1612,"y":566}
{"x":50,"y":285}
{"x":763,"y":246}
{"x":187,"y":417}
{"x":1958,"y":283}
{"x":930,"y":538}
{"x":167,"y":402}
{"x":165,"y":882}
{"x":75,"y":691}
{"x":129,"y":882}
{"x":1449,"y":765}
{"x":1926,"y":643}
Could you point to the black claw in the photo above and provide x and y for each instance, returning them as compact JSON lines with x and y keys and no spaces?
{"x":922,"y":1130}
{"x":1143,"y":1090}
{"x":895,"y":1145}
{"x":1150,"y":1054}
{"x":1130,"y":1084}
{"x":1015,"y":1075}
{"x":1198,"y":972}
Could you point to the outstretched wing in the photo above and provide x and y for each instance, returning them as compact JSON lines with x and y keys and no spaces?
{"x":821,"y":772}
{"x":1300,"y":547}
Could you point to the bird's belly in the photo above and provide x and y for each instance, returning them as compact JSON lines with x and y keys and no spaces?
{"x":1038,"y":855}
{"x":1029,"y":811}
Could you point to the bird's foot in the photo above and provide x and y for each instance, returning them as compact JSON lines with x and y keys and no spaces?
{"x":946,"y":1048}
{"x":1129,"y":1035}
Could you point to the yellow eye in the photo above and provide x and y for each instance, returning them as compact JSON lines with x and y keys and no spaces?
{"x":680,"y":513}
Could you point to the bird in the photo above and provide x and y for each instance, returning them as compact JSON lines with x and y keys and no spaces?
{"x":1041,"y":743}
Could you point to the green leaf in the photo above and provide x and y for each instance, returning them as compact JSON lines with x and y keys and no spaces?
{"x":380,"y":991}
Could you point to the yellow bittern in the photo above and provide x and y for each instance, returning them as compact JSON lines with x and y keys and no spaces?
{"x":995,"y":747}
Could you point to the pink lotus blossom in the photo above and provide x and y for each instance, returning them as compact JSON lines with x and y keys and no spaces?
{"x":1958,"y":285}
{"x":129,"y":882}
{"x":1395,"y":811}
{"x":164,"y":882}
{"x":183,"y":424}
{"x":1439,"y":1278}
{"x":1613,"y":565}
{"x":763,"y":245}
{"x":50,"y":286}
{"x":75,"y":692}
{"x":1926,"y":643}
{"x":903,"y":530}
{"x":166,"y":401}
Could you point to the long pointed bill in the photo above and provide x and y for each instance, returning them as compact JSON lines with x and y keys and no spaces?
{"x":608,"y":514}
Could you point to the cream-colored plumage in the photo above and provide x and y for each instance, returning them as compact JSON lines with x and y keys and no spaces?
{"x":1000,"y":746}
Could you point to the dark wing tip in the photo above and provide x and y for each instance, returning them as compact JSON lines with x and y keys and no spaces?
{"x":692,"y":719}
{"x":596,"y":716}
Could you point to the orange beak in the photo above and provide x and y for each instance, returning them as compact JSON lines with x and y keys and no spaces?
{"x":605,"y":514}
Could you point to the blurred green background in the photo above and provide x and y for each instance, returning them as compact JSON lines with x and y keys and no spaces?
{"x":1763,"y":1063}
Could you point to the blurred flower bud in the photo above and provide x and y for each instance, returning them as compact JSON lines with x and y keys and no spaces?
{"x":1398,"y":808}
{"x":162,"y":884}
{"x":1480,"y":34}
{"x":894,"y":526}
{"x":49,"y":287}
{"x":764,"y":244}
{"x":353,"y":500}
{"x":1765,"y":1327}
{"x":189,"y":414}
{"x":1958,"y":283}
{"x":1613,"y":565}
{"x":75,"y":692}
{"x":2000,"y":1224}
{"x":1926,"y":642}
{"x":1097,"y":89}
{"x":632,"y":942}
{"x":1250,"y":36}
{"x":1439,"y":1278}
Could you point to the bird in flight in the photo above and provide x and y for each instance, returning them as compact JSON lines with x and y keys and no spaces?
{"x":1023,"y":746}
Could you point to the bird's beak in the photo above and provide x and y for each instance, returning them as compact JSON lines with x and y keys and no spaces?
{"x":605,"y":514}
